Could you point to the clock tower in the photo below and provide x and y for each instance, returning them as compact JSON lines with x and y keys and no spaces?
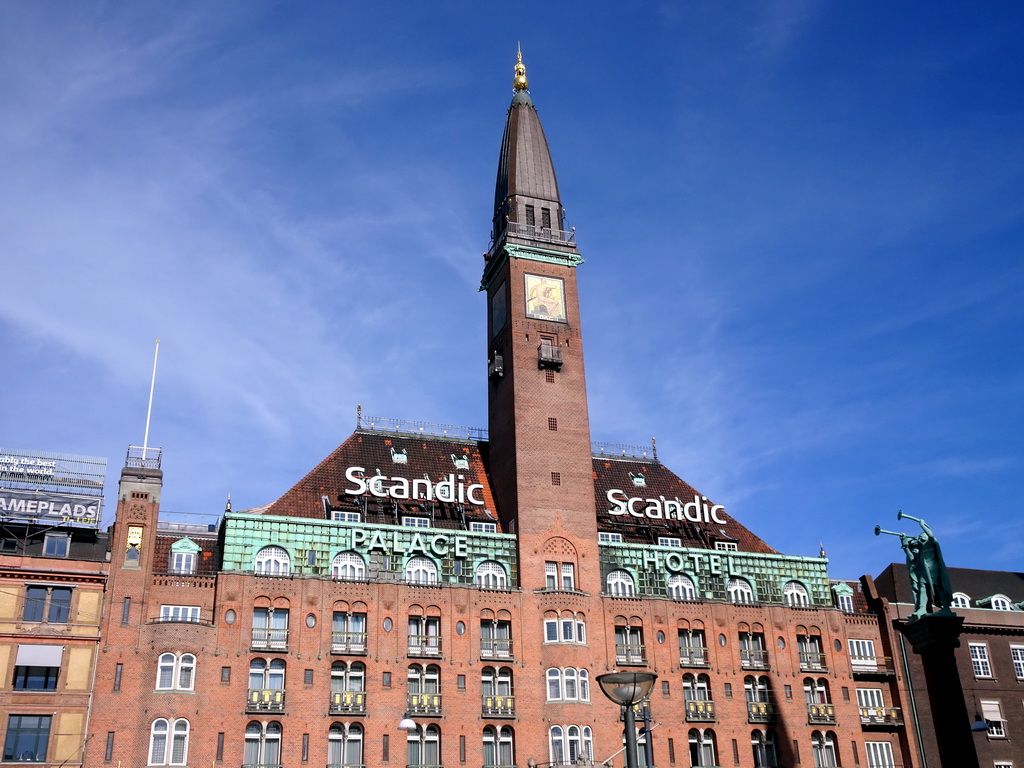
{"x":539,"y":429}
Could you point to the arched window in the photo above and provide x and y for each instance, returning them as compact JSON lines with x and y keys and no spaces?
{"x":763,"y":745}
{"x":961,"y":600}
{"x":757,"y":689}
{"x":172,"y":751}
{"x":267,"y":677}
{"x":347,"y":677}
{"x":421,"y":570}
{"x":273,"y":561}
{"x":262,"y":743}
{"x":496,"y":682}
{"x":348,"y":566}
{"x":823,"y":746}
{"x":702,"y":747}
{"x":579,"y":742}
{"x":424,"y":746}
{"x":344,"y":745}
{"x":568,"y":684}
{"x":620,"y":584}
{"x":165,"y":671}
{"x":696,"y":687}
{"x":175,"y":672}
{"x":681,"y":587}
{"x":740,"y":591}
{"x":499,"y":748}
{"x":1001,"y":603}
{"x":795,"y":594}
{"x":816,"y":691}
{"x":556,"y":744}
{"x":424,"y":679}
{"x":491,"y":575}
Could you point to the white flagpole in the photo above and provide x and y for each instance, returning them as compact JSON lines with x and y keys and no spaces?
{"x":149,"y":410}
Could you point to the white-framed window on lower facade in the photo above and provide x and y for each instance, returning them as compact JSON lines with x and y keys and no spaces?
{"x":879,"y":754}
{"x":569,"y":743}
{"x":179,"y":613}
{"x":862,"y":655}
{"x":1003,"y":764}
{"x":979,"y":659}
{"x":992,"y":711}
{"x":1017,"y":654}
{"x":168,"y":742}
{"x":175,"y":672}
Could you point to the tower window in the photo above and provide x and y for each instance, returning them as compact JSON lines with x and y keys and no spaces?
{"x":556,"y":478}
{"x":552,"y":423}
{"x":545,"y":218}
{"x":531,"y":217}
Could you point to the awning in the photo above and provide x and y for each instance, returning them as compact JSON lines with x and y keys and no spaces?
{"x":990,"y":710}
{"x":39,"y":655}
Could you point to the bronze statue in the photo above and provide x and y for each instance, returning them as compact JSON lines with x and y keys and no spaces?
{"x":929,"y":579}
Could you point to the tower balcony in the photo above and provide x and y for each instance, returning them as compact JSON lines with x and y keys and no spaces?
{"x":547,"y":234}
{"x":549,"y":356}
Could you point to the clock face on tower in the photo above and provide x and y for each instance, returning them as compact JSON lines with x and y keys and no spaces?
{"x":545,"y":298}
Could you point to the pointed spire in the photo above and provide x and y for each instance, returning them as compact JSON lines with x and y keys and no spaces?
{"x":519,"y":82}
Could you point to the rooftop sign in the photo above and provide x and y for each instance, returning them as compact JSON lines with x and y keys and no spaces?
{"x":54,"y":488}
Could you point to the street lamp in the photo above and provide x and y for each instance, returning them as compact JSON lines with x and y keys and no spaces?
{"x":627,"y":689}
{"x":407,"y":723}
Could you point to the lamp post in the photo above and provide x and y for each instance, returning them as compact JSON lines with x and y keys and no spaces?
{"x":628,"y":689}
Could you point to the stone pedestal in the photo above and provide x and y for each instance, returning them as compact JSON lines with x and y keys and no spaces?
{"x":934,"y":638}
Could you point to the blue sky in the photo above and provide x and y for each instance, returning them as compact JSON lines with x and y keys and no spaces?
{"x":803,"y":225}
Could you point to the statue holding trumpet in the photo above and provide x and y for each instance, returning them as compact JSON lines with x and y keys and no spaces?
{"x":929,"y":579}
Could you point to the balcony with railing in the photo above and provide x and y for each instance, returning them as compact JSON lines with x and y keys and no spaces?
{"x":693,"y":656}
{"x":630,"y":653}
{"x":495,"y":648}
{"x":262,"y":765}
{"x":700,"y":711}
{"x":881,"y":716}
{"x":347,"y":703}
{"x":346,"y":765}
{"x":547,"y":234}
{"x":265,"y":700}
{"x":872,"y":666}
{"x":754,"y":658}
{"x":269,"y":639}
{"x":811,"y":661}
{"x":821,"y":714}
{"x":424,"y":704}
{"x":549,"y":356}
{"x":498,"y":706}
{"x":424,"y":645}
{"x":353,"y":643}
{"x":761,"y":712}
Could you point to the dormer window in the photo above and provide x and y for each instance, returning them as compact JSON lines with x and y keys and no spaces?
{"x":56,"y":544}
{"x":726,"y":546}
{"x":460,"y":462}
{"x":183,"y":557}
{"x":399,"y":457}
{"x":638,"y":480}
{"x":961,"y":600}
{"x":416,"y":522}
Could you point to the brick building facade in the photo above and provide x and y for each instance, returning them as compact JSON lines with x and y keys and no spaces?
{"x":478,"y":584}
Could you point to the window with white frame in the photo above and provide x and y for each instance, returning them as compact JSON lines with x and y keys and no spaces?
{"x":175,"y":673}
{"x":680,"y":587}
{"x":183,"y":562}
{"x":669,"y":541}
{"x":702,"y":747}
{"x":478,"y":527}
{"x":491,"y":575}
{"x":567,"y":744}
{"x":726,"y":546}
{"x":992,"y":711}
{"x":270,"y":628}
{"x":823,"y":747}
{"x":421,"y":570}
{"x":266,"y":675}
{"x":425,"y":635}
{"x":567,"y":628}
{"x":862,"y":655}
{"x":568,"y":684}
{"x":273,"y":561}
{"x":416,"y":522}
{"x":348,"y":566}
{"x":605,"y":537}
{"x":345,"y":744}
{"x":262,"y":744}
{"x":496,"y":638}
{"x":844,"y":603}
{"x":1001,"y":603}
{"x":620,"y":584}
{"x":740,"y":591}
{"x":348,"y":677}
{"x":348,"y":632}
{"x":961,"y":600}
{"x":168,"y":743}
{"x":179,"y":613}
{"x":568,"y":577}
{"x":879,"y":754}
{"x":344,"y":517}
{"x":1003,"y":764}
{"x":795,"y":594}
{"x":1017,"y":655}
{"x":499,"y":747}
{"x":629,"y":644}
{"x":979,"y":659}
{"x":693,"y":651}
{"x":423,"y":747}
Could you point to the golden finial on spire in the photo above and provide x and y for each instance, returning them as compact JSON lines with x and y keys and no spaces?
{"x":520,"y":83}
